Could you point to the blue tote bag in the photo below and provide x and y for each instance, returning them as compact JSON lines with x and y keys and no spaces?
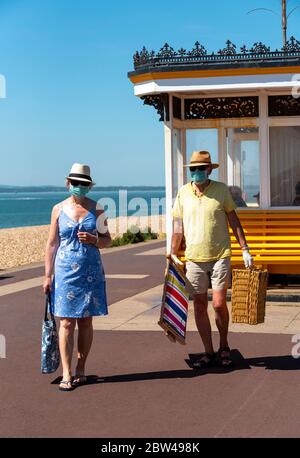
{"x":50,"y":349}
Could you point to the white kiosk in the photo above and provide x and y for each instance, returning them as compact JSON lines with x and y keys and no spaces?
{"x":244,"y":108}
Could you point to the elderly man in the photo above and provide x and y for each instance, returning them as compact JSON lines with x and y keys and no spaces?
{"x":200,"y":214}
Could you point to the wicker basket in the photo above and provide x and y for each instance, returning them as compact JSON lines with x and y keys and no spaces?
{"x":248,"y":297}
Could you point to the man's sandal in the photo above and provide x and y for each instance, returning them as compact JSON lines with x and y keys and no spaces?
{"x":224,"y":357}
{"x":66,"y":383}
{"x":205,"y":360}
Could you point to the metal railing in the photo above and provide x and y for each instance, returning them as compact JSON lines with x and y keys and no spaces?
{"x":167,"y":56}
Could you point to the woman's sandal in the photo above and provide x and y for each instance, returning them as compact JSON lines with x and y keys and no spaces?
{"x":66,"y":382}
{"x":205,"y":360}
{"x":224,"y":357}
{"x":79,"y":380}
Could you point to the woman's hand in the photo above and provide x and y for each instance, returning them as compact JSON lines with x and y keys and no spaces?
{"x":86,"y":237}
{"x":47,"y":285}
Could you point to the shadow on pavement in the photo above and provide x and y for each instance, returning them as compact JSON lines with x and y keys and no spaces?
{"x":282,"y":363}
{"x":139,"y":376}
{"x":160,"y":375}
{"x":285,"y":362}
{"x":239,"y":362}
{"x":268,"y":362}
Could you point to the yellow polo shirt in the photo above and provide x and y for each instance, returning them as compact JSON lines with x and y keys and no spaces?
{"x":204,"y":221}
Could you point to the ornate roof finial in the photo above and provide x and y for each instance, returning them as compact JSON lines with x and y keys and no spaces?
{"x":229,"y":50}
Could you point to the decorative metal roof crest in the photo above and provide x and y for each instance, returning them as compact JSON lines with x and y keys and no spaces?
{"x":167,"y":55}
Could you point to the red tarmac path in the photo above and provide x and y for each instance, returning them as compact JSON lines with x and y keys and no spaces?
{"x":141,"y":385}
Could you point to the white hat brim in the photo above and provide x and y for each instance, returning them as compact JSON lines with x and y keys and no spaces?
{"x":80,"y":179}
{"x":214,"y":166}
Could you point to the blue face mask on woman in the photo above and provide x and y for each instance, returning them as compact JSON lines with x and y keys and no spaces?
{"x":79,"y":190}
{"x":199,"y":176}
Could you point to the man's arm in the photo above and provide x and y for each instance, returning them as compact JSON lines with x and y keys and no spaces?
{"x":237,"y":229}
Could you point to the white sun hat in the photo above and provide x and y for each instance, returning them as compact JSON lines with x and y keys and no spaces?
{"x":80,"y":172}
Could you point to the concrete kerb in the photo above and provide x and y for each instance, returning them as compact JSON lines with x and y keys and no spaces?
{"x":280,"y":296}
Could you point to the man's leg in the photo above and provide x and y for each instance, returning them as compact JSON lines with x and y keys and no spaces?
{"x":202,"y":321}
{"x":197,"y":275}
{"x":221,"y":315}
{"x":220,"y":281}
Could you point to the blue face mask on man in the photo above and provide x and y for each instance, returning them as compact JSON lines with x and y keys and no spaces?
{"x":199,"y":176}
{"x":79,"y":190}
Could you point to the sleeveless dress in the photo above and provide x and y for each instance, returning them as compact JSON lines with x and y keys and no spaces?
{"x":78,"y":286}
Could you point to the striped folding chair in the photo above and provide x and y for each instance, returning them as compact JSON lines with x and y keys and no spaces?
{"x":174,"y":308}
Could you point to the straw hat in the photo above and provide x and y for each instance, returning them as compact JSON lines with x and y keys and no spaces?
{"x":201,"y":158}
{"x":80,"y":172}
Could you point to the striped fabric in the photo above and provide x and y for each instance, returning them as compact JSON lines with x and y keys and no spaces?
{"x":174,"y":308}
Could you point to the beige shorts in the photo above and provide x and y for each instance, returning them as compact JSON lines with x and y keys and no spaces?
{"x":198,"y":274}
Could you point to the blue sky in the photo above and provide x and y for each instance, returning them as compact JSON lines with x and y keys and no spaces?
{"x":68,"y":96}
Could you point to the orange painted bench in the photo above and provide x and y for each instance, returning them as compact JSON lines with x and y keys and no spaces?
{"x":273,"y":237}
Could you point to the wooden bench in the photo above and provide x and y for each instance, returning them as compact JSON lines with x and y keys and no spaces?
{"x":273,"y":237}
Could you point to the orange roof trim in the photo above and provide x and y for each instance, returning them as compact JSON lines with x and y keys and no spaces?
{"x":211,"y":73}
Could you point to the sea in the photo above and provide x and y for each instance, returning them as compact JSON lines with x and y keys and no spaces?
{"x":18,"y":209}
{"x":33,"y":207}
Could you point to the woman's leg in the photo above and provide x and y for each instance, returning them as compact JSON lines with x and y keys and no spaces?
{"x":85,"y":339}
{"x":66,"y":343}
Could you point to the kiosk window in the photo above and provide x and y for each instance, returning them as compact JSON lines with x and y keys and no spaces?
{"x":285,"y":166}
{"x":243,"y":166}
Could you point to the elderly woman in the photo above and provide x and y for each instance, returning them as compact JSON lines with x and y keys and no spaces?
{"x":78,"y":287}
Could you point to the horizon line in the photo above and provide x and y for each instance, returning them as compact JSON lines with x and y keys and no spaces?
{"x":95,"y":186}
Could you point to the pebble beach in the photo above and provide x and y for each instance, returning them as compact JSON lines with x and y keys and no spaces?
{"x":25,"y":245}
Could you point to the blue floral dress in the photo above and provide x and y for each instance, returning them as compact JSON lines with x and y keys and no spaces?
{"x":78,"y":287}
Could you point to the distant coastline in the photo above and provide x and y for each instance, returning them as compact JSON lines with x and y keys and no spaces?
{"x":49,"y":188}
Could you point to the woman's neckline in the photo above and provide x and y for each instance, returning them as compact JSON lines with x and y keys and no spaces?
{"x":72,"y":219}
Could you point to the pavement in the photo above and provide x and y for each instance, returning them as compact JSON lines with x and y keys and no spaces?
{"x":139,"y":383}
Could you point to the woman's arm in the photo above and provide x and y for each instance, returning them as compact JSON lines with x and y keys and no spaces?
{"x":104,"y":237}
{"x":51,"y":247}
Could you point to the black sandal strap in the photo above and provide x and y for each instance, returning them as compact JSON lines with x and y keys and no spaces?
{"x":224,"y":349}
{"x":225,"y":360}
{"x":201,"y":361}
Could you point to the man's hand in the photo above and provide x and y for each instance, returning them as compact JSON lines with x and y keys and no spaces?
{"x":175,"y":259}
{"x":248,"y":260}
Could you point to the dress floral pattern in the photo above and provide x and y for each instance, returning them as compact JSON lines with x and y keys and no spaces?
{"x":78,"y":287}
